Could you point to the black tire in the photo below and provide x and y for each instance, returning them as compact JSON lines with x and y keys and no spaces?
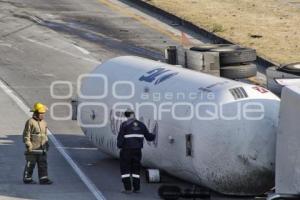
{"x":169,"y":192}
{"x":208,"y":47}
{"x":293,"y":68}
{"x":172,"y":55}
{"x":230,"y":56}
{"x":238,"y":72}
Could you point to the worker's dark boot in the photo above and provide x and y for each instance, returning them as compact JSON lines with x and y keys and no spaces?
{"x":136,"y":191}
{"x":126,"y":191}
{"x":45,"y":182}
{"x":29,"y":181}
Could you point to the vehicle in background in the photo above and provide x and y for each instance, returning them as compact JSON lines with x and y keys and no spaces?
{"x":286,"y":75}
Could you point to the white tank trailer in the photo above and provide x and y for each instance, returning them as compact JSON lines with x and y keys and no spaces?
{"x":210,"y":131}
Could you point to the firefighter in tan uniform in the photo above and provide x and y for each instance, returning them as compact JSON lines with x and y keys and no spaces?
{"x":36,"y":142}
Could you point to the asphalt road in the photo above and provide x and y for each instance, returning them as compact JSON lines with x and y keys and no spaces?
{"x":42,"y":42}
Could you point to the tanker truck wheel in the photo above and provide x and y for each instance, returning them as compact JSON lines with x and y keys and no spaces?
{"x":153,"y":176}
{"x":238,"y":72}
{"x":169,"y":192}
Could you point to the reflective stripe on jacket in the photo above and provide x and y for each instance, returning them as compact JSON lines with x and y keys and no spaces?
{"x":132,"y":133}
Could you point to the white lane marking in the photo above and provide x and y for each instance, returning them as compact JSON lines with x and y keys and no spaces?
{"x":48,"y":75}
{"x":6,"y":142}
{"x":83,"y":50}
{"x":5,"y":44}
{"x":59,"y":50}
{"x":90,"y":185}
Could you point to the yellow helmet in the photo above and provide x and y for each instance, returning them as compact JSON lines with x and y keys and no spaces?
{"x":39,"y":107}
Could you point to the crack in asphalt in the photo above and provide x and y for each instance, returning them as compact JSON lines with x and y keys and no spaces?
{"x":16,"y":31}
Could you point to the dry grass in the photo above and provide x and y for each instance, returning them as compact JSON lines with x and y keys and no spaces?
{"x":272,"y":27}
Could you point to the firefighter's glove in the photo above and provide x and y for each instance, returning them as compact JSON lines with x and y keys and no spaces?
{"x":29,"y":147}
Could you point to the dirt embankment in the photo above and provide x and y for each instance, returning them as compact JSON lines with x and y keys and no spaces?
{"x":272,"y":27}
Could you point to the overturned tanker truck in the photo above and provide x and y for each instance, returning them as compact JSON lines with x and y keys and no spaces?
{"x":210,"y":131}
